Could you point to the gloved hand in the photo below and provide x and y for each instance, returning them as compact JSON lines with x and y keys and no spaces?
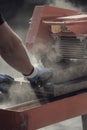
{"x":5,"y":80}
{"x":40,"y":76}
{"x":3,"y":89}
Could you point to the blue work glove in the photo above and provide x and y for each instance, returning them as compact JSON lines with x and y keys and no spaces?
{"x":3,"y":89}
{"x":40,"y":76}
{"x":5,"y":80}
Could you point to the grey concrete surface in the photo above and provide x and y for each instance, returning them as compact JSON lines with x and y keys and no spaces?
{"x":71,"y":124}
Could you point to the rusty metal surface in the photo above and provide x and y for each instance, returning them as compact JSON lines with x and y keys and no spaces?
{"x":55,"y":104}
{"x":33,"y":115}
{"x":37,"y":113}
{"x":13,"y":120}
{"x":39,"y":33}
{"x":57,"y":111}
{"x":40,"y":116}
{"x":65,"y":52}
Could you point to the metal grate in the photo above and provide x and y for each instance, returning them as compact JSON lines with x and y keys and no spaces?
{"x":72,"y":47}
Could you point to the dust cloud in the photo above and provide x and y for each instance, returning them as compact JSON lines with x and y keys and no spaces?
{"x":22,"y":93}
{"x":64,"y":4}
{"x":68,"y":69}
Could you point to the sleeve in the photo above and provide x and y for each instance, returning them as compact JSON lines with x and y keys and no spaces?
{"x":1,"y":19}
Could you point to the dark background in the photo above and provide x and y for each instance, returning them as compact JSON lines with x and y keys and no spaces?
{"x":11,"y":7}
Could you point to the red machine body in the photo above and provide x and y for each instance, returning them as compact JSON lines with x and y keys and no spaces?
{"x":47,"y":20}
{"x":57,"y":34}
{"x":56,"y":29}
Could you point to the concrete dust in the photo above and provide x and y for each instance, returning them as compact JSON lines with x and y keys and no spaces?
{"x":64,"y":4}
{"x":22,"y":93}
{"x":18,"y":92}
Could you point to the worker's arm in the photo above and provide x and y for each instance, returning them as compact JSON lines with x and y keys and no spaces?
{"x":13,"y":52}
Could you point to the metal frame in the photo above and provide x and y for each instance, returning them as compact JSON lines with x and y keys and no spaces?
{"x":32,"y":115}
{"x":37,"y":114}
